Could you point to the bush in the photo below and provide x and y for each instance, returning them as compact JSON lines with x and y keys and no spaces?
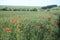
{"x":27,"y":10}
{"x":34,"y":9}
{"x":4,"y":9}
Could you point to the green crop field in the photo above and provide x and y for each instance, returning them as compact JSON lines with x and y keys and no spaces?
{"x":29,"y":25}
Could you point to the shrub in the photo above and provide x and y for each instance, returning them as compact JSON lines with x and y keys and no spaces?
{"x":34,"y":9}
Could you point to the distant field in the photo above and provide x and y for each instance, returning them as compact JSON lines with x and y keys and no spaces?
{"x":27,"y":25}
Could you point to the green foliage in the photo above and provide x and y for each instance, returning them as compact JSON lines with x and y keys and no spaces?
{"x":49,"y":6}
{"x":5,"y":9}
{"x":34,"y":9}
{"x":18,"y":9}
{"x":33,"y":25}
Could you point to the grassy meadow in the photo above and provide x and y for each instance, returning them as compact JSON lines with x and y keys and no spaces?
{"x":30,"y":25}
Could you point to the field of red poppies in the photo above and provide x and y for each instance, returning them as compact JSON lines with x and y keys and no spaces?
{"x":15,"y":25}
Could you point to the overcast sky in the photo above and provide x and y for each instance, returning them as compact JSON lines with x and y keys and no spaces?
{"x":29,"y":2}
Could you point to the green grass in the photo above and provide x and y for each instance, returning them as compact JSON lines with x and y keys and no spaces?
{"x":29,"y":29}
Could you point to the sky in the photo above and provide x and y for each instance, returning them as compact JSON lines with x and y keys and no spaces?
{"x":29,"y":2}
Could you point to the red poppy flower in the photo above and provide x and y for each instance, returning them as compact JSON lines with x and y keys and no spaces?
{"x":39,"y":27}
{"x":13,"y":20}
{"x":7,"y":29}
{"x":42,"y":19}
{"x":18,"y":26}
{"x":18,"y":17}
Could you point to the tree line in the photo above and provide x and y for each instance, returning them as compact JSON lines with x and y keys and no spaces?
{"x":49,"y":7}
{"x":20,"y":9}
